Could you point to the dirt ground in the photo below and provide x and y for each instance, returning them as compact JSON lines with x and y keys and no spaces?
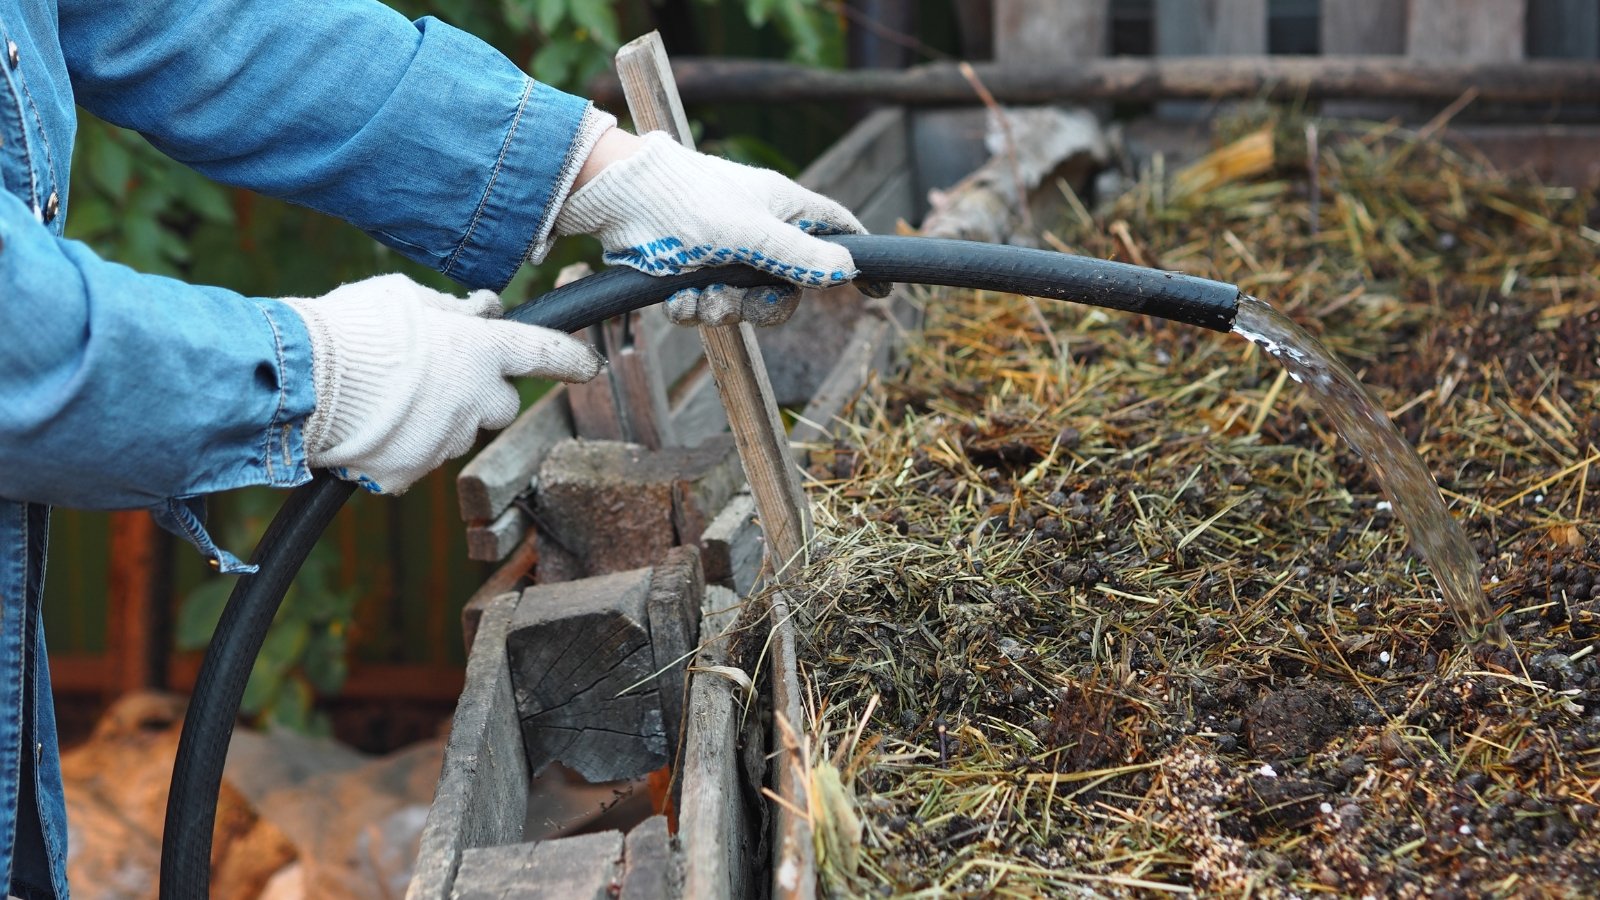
{"x":1125,"y":618}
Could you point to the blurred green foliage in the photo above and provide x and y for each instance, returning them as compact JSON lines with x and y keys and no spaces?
{"x":135,"y":206}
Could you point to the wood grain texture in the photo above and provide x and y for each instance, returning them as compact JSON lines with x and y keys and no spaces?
{"x":735,"y":357}
{"x":504,"y":468}
{"x":583,"y":867}
{"x":651,"y":866}
{"x":714,"y":824}
{"x":677,"y":588}
{"x":731,"y":547}
{"x":495,"y":541}
{"x":482,"y":796}
{"x":580,"y":659}
{"x":1474,"y":30}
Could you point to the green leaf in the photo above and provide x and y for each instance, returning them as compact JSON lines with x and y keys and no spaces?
{"x":200,"y":612}
{"x":601,"y":22}
{"x":757,"y":11}
{"x":293,"y":706}
{"x":110,"y":165}
{"x":209,"y":201}
{"x":549,"y":13}
{"x":554,"y":62}
{"x":326,"y":665}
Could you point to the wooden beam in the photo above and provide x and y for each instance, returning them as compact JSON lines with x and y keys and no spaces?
{"x":504,"y":469}
{"x":713,"y":824}
{"x":1142,"y":79}
{"x":482,"y":798}
{"x":1475,"y":30}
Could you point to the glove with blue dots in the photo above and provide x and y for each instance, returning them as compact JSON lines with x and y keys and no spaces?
{"x":667,"y":209}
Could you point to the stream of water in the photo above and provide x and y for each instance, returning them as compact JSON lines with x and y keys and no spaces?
{"x":1406,"y":482}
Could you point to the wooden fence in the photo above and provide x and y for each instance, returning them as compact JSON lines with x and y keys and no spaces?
{"x":1499,"y":30}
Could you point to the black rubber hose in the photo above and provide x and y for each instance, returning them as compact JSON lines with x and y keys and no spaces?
{"x":214,"y":706}
{"x":914,"y":260}
{"x":219,"y":687}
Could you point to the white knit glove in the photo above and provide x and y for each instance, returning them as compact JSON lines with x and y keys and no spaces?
{"x":667,"y":209}
{"x":405,"y":376}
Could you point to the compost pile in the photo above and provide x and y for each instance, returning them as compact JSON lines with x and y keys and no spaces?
{"x":1122,"y":614}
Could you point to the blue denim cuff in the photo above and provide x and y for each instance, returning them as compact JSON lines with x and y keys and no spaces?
{"x":283,"y":447}
{"x":520,"y":199}
{"x":186,"y":518}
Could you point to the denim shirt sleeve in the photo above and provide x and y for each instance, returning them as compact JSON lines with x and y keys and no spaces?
{"x":125,"y":390}
{"x":420,"y":134}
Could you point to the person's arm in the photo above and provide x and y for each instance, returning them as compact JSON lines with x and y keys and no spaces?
{"x":122,"y":390}
{"x":418,"y":133}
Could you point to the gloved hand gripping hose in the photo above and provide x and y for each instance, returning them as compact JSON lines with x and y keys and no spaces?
{"x":214,"y":707}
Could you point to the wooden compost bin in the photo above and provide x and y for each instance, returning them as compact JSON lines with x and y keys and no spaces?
{"x":629,"y":495}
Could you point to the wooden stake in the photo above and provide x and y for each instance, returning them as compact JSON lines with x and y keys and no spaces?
{"x":735,"y":357}
{"x":741,"y":378}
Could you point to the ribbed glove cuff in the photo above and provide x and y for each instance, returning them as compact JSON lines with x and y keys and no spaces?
{"x":350,"y":385}
{"x":667,"y":167}
{"x":595,"y":123}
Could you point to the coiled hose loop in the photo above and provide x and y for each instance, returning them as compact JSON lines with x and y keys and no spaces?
{"x":208,"y":727}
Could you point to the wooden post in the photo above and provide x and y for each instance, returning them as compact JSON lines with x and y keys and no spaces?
{"x":133,"y":631}
{"x":1363,"y":28}
{"x":1207,"y":28}
{"x":1478,"y":30}
{"x":1027,"y":31}
{"x":741,"y":377}
{"x":1564,"y":29}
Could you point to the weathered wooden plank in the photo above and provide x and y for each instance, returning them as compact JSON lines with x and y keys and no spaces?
{"x":852,"y":169}
{"x":494,"y":541}
{"x":1563,"y":29}
{"x":638,"y":384}
{"x":503,"y":469}
{"x":713,"y":826}
{"x":1026,"y":31}
{"x":677,"y":588}
{"x":607,"y":506}
{"x":735,"y":358}
{"x":794,"y":861}
{"x":596,"y":412}
{"x":697,"y":412}
{"x":583,"y":867}
{"x":1476,"y":30}
{"x":801,"y":353}
{"x":731,"y":547}
{"x":866,"y":352}
{"x":1207,"y":28}
{"x":509,"y":577}
{"x":482,"y":796}
{"x":1211,"y":27}
{"x":574,"y":650}
{"x":1363,"y":28}
{"x":651,"y":869}
{"x":895,"y":201}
